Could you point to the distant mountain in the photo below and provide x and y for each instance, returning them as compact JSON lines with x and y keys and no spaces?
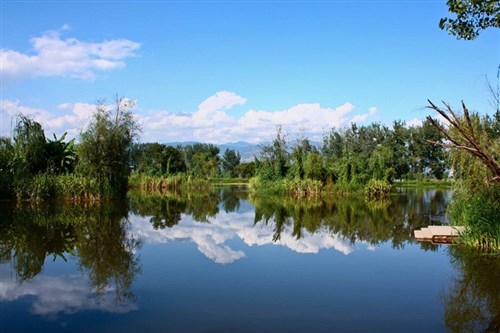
{"x":247,"y":150}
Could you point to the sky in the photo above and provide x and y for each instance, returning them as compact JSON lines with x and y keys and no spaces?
{"x":227,"y":71}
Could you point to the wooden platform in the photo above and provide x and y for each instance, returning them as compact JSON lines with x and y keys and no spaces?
{"x":438,"y":233}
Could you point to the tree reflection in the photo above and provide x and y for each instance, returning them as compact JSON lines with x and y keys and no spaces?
{"x":96,"y":234}
{"x":230,"y":199}
{"x":165,"y":207}
{"x":352,"y":218}
{"x":107,"y":252}
{"x":472,"y":304}
{"x":30,"y":234}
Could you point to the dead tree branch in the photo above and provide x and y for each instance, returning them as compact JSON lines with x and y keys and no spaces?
{"x":467,"y":138}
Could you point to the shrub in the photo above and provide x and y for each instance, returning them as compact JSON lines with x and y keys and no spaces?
{"x":377,"y":189}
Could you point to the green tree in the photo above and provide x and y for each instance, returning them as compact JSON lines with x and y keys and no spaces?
{"x":313,"y":166}
{"x":398,"y":141}
{"x":30,"y":155}
{"x":473,"y":16}
{"x":202,"y":160}
{"x":104,"y":151}
{"x":6,"y":167}
{"x":274,"y":159}
{"x":300,"y":153}
{"x":174,"y":161}
{"x":230,"y":161}
{"x":245,"y":170}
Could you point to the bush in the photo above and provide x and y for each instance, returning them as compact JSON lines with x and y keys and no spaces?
{"x":480,"y":214}
{"x":377,"y":189}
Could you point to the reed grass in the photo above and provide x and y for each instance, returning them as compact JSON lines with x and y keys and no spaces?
{"x":480,"y":214}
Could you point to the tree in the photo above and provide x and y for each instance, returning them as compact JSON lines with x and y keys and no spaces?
{"x":104,"y":151}
{"x":60,"y":155}
{"x":29,"y":147}
{"x":398,"y":141}
{"x":202,"y":160}
{"x":473,"y":16}
{"x":6,"y":168}
{"x":274,"y":158}
{"x":468,"y":134}
{"x":230,"y":161}
{"x":245,"y":170}
{"x":313,"y":166}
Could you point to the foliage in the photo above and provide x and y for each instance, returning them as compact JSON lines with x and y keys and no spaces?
{"x":29,"y":147}
{"x":274,"y":159}
{"x":202,"y":160}
{"x":60,"y":155}
{"x":472,"y":16}
{"x":476,"y":204}
{"x":104,"y":151}
{"x":175,"y":182}
{"x":377,"y":189}
{"x":479,"y":211}
{"x":157,"y":159}
{"x":470,"y":135}
{"x":245,"y":170}
{"x":230,"y":160}
{"x":6,"y":167}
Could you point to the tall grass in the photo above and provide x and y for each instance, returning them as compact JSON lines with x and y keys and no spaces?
{"x":42,"y":187}
{"x":174,"y":182}
{"x":480,"y":214}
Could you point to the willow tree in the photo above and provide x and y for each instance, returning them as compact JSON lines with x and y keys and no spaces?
{"x":104,"y":151}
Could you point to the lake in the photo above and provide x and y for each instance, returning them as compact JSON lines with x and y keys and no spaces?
{"x":224,"y":260}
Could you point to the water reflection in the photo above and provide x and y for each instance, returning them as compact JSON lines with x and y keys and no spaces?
{"x":103,"y":243}
{"x":472,"y":303}
{"x":302,"y":226}
{"x":95,"y":236}
{"x":62,"y":294}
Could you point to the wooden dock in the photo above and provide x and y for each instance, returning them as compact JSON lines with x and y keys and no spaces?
{"x":443,"y":234}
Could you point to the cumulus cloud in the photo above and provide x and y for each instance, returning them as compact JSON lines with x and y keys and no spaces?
{"x":212,"y":121}
{"x":73,"y":118}
{"x":54,"y":55}
{"x":210,"y":238}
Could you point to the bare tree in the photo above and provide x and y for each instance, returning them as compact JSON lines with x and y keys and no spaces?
{"x":461,"y":134}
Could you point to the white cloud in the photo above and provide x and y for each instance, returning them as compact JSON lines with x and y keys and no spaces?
{"x":73,"y":119}
{"x":67,"y":57}
{"x":211,"y":122}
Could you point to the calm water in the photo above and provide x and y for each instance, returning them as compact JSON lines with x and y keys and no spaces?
{"x":224,"y":261}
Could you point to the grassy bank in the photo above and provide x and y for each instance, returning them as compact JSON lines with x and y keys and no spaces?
{"x":425,"y":183}
{"x":479,"y":212}
{"x":304,"y":188}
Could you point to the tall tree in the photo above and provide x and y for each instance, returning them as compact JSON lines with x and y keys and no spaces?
{"x":104,"y":151}
{"x":230,"y":161}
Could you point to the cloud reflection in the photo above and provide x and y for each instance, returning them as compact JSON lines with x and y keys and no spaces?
{"x":61,"y":294}
{"x":211,"y":237}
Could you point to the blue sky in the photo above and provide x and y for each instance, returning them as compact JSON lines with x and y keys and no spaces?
{"x":224,"y":71}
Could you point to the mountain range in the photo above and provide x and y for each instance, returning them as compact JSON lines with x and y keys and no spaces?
{"x":247,"y":150}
